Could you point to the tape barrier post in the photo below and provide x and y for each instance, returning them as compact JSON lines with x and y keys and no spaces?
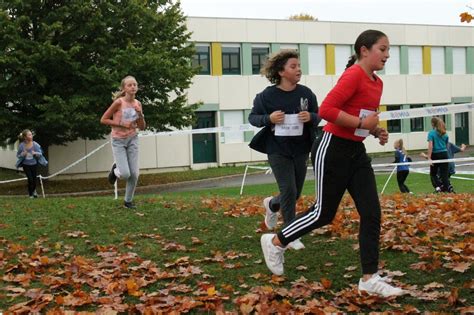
{"x":243,"y":180}
{"x":42,"y":186}
{"x":388,"y":179}
{"x":268,"y":170}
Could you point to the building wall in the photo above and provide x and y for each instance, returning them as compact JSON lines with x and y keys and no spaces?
{"x":229,"y":93}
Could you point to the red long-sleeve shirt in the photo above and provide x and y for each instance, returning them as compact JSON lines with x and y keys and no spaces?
{"x":354,"y":91}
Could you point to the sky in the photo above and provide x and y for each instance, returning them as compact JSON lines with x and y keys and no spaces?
{"x":432,"y":12}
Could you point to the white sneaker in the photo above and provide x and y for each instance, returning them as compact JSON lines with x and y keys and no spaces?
{"x":377,"y":285}
{"x":271,"y":218}
{"x":273,"y":254}
{"x":296,"y":245}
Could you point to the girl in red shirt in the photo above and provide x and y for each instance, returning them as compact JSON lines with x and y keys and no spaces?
{"x":341,"y":162}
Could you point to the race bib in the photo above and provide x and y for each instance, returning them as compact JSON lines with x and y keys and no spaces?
{"x":291,"y":126}
{"x":363,"y":132}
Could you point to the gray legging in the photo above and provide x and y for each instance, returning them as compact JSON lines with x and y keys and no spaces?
{"x":290,"y":173}
{"x":126,"y":158}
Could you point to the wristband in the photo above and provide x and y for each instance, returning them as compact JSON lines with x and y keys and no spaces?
{"x":360,"y":123}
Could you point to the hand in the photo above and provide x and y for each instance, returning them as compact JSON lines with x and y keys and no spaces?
{"x":382,"y":134}
{"x":370,"y":122}
{"x":24,"y":153}
{"x":463,"y":147}
{"x":138,"y":110}
{"x":423,"y":155}
{"x":277,"y":117}
{"x":304,"y":116}
{"x":126,"y":124}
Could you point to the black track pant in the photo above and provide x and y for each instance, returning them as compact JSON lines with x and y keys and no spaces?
{"x":342,"y":164}
{"x":401,"y":177}
{"x":31,"y":173}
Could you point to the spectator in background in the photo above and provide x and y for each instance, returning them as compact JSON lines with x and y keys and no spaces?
{"x":29,"y":155}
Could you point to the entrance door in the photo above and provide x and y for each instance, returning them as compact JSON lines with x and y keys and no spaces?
{"x":204,"y":145}
{"x":461,"y":122}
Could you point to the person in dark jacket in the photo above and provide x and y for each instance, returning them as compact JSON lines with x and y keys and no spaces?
{"x":290,"y":111}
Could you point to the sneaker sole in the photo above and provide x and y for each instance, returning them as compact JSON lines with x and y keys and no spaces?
{"x":362,"y":292}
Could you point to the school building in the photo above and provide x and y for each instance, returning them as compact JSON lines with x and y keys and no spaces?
{"x":429,"y":66}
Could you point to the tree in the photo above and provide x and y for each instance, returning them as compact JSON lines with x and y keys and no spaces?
{"x":302,"y":17}
{"x":62,"y":60}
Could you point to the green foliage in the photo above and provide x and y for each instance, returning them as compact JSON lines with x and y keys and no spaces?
{"x":62,"y":60}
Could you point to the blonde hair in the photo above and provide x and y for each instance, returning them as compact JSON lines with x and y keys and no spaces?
{"x":121,"y":92}
{"x":276,"y":63}
{"x":22,"y":135}
{"x":439,"y":125}
{"x":400,"y":146}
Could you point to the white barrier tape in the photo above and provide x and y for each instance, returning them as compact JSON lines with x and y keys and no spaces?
{"x":393,"y":167}
{"x":426,"y":111}
{"x":423,"y":162}
{"x":388,"y":115}
{"x":13,"y":180}
{"x":426,"y":172}
{"x":77,"y":162}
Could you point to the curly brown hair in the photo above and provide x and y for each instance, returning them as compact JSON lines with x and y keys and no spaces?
{"x":276,"y":63}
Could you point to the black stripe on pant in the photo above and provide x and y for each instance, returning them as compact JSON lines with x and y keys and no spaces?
{"x":342,"y":164}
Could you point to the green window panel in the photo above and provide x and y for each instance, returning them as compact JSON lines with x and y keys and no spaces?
{"x":470,"y":60}
{"x":246,"y":59}
{"x":304,"y":58}
{"x":448,"y":62}
{"x":274,"y":47}
{"x":403,"y":60}
{"x":405,"y":122}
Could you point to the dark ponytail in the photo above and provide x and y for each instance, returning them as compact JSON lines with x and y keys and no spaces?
{"x":366,"y":39}
{"x":352,"y":60}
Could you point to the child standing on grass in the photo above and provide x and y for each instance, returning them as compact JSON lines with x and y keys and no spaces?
{"x":341,"y":163}
{"x":125,"y":115}
{"x":402,"y":170}
{"x":438,"y":150}
{"x":287,"y":152}
{"x":29,"y":155}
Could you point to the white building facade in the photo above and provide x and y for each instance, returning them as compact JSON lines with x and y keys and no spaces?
{"x":429,"y":66}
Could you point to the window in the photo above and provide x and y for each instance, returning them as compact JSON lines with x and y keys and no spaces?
{"x":201,"y":59}
{"x":396,"y":124}
{"x":259,"y":56}
{"x":417,"y":124}
{"x":437,"y":60}
{"x":415,"y":60}
{"x":343,"y":53}
{"x":317,"y":59}
{"x":393,"y":63}
{"x":231,"y":60}
{"x":459,"y":60}
{"x":232,"y":118}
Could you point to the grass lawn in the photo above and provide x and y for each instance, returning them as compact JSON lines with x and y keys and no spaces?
{"x":200,"y":252}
